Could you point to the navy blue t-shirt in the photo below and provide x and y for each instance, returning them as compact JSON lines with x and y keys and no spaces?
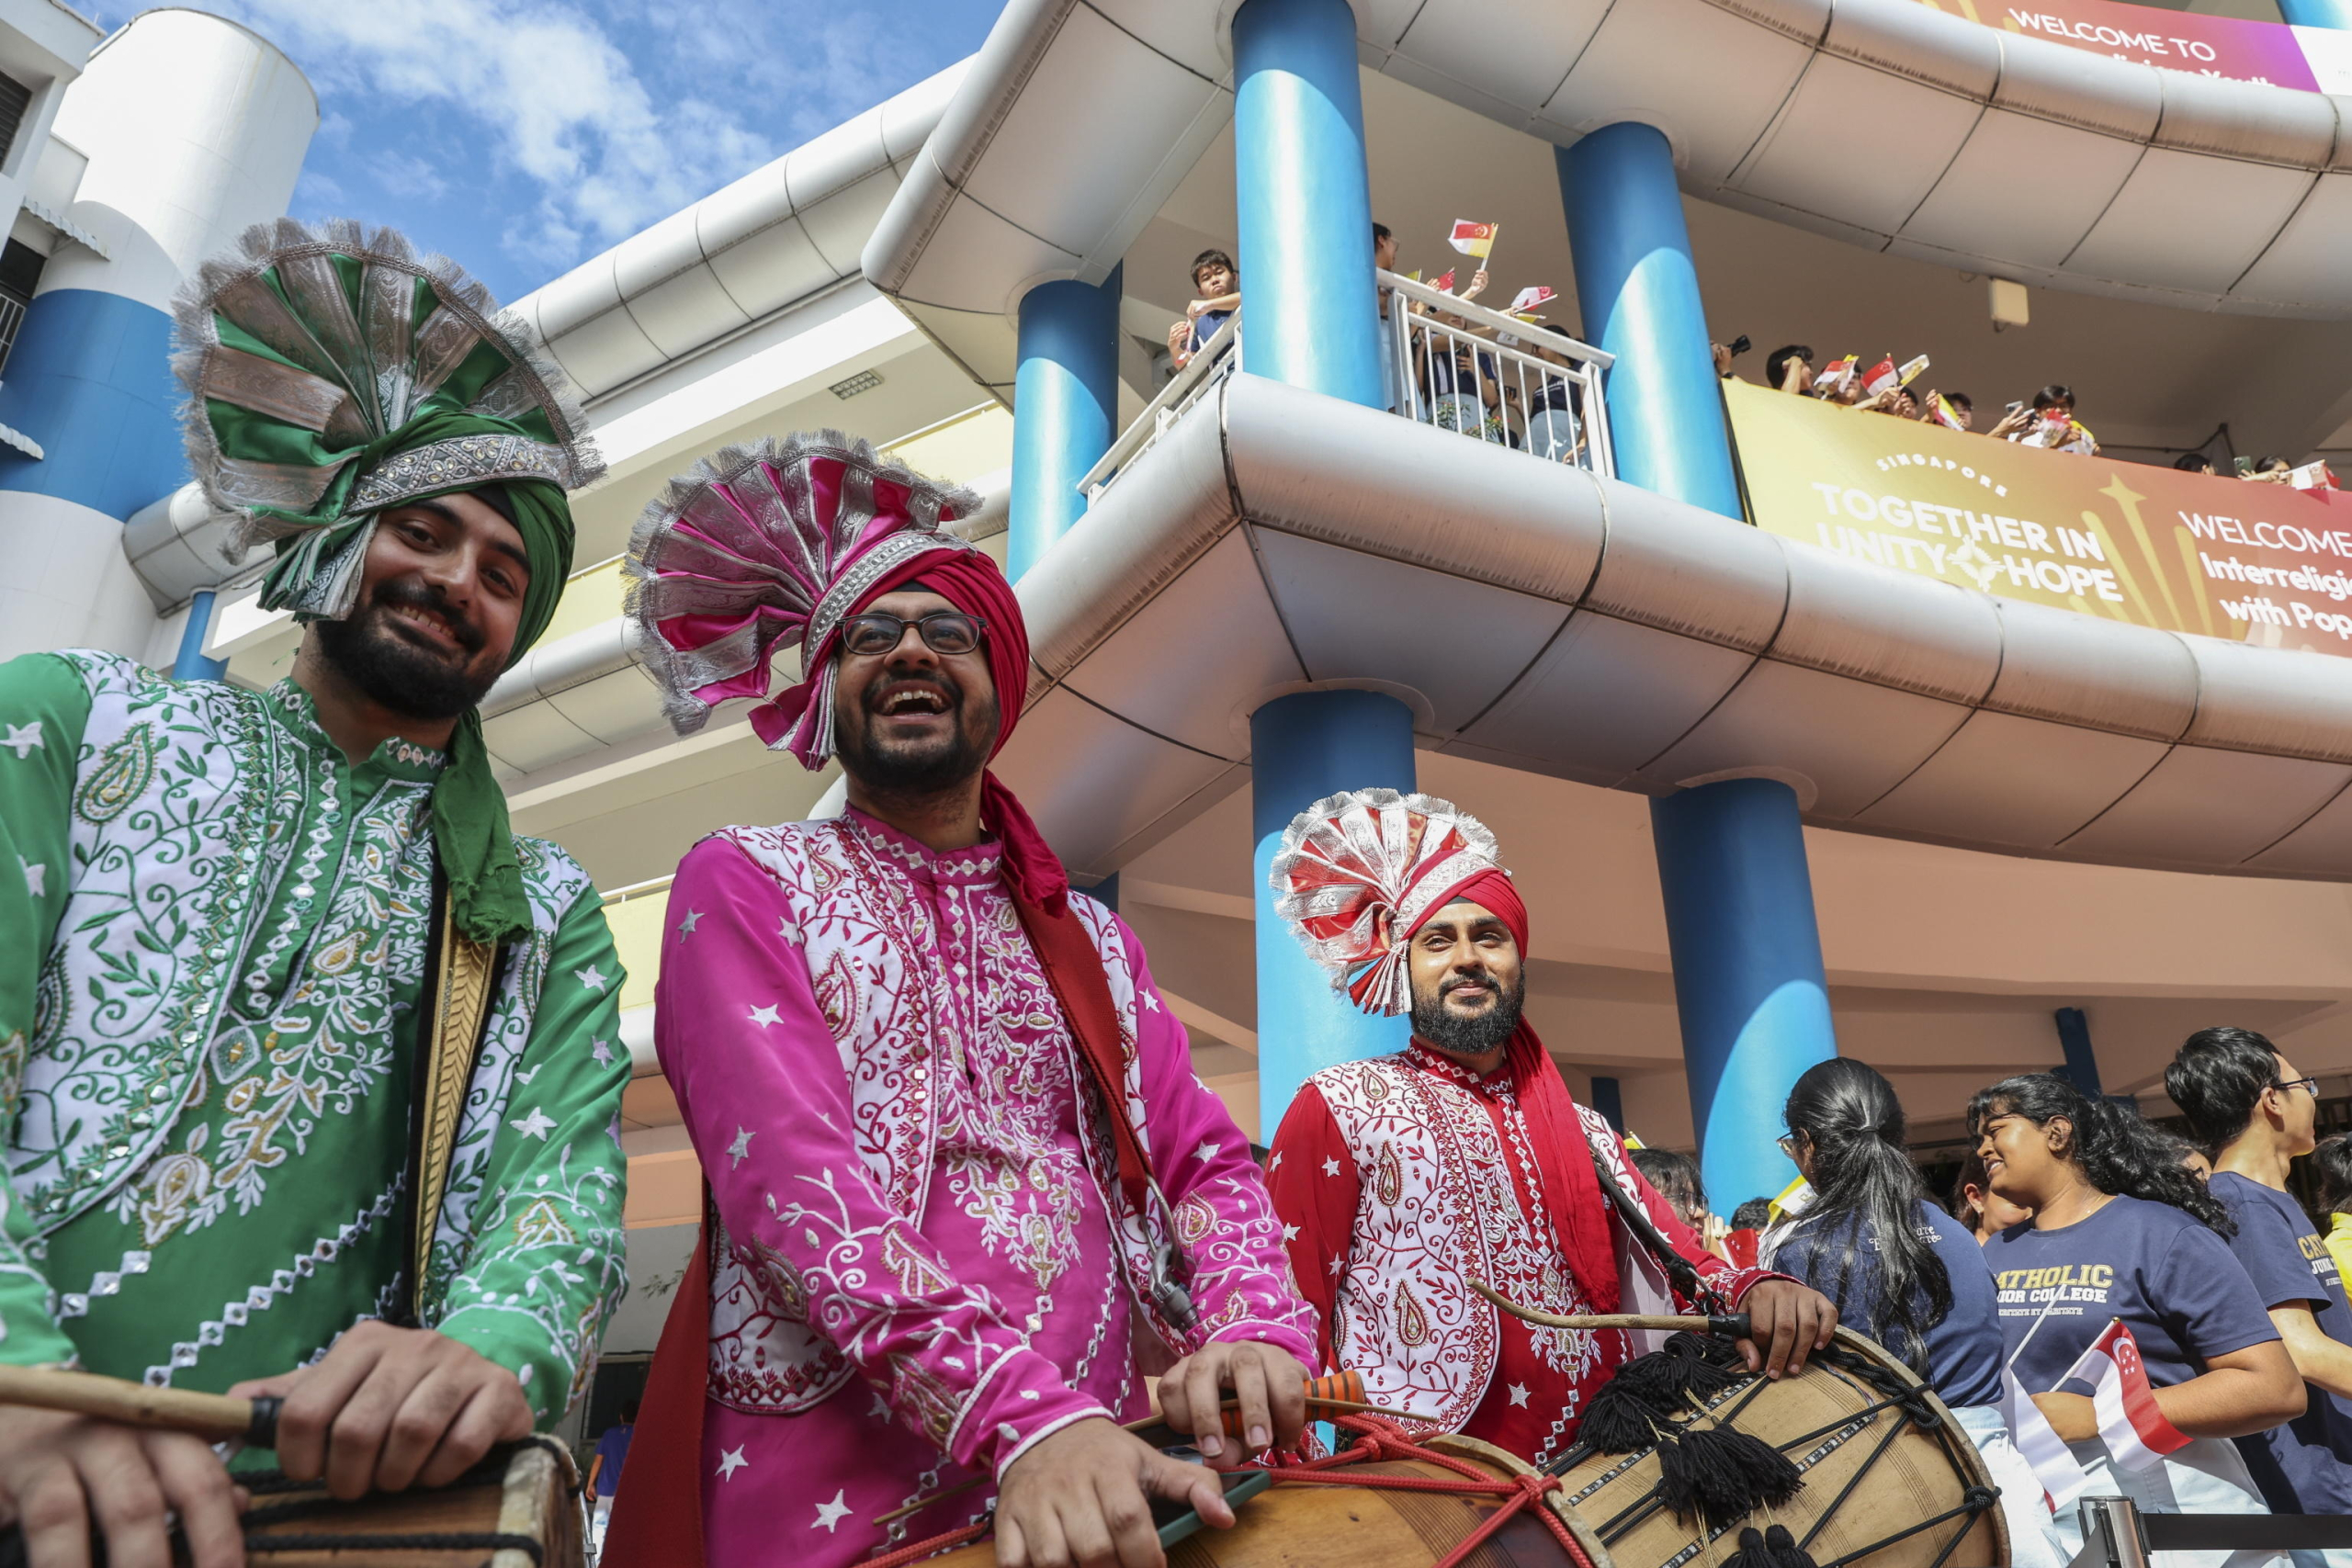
{"x":2171,"y":1280}
{"x":1205,"y":327}
{"x":1964,"y":1349}
{"x":2305,"y":1466}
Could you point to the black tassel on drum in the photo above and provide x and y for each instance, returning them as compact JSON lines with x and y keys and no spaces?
{"x":1723,"y":1475}
{"x":1773,"y":1548}
{"x":1635,"y":1407}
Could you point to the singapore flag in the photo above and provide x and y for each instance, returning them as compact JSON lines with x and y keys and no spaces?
{"x":2136,"y":1433}
{"x":2054,"y":1463}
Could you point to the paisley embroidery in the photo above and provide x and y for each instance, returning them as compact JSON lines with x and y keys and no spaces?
{"x":121,"y":776}
{"x":1387,"y":1181}
{"x":1412,"y":1324}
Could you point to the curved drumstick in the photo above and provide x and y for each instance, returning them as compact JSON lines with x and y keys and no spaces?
{"x":1732,"y":1325}
{"x":212,"y":1416}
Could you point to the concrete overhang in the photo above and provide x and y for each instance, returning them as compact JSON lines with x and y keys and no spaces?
{"x":2018,"y":156}
{"x":1537,"y":618}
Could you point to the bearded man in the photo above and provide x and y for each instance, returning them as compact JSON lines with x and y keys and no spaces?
{"x":308,"y":1080}
{"x":1404,"y":1180}
{"x":962,"y":1183}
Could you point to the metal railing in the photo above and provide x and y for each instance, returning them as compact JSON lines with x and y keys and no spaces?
{"x":2117,"y":1534}
{"x":1445,"y":362}
{"x":1462,"y":367}
{"x":1215,"y":360}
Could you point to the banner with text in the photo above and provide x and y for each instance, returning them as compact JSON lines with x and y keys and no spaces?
{"x":2257,"y":563}
{"x":2314,"y":58}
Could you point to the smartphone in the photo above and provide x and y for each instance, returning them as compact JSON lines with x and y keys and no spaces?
{"x":2015,"y":404}
{"x":2244,"y":466}
{"x":1175,"y":1521}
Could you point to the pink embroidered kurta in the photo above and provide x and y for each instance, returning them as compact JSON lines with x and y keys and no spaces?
{"x":926,"y":1263}
{"x":1401,"y":1178}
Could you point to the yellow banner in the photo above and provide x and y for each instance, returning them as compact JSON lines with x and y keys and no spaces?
{"x":2258,"y":563}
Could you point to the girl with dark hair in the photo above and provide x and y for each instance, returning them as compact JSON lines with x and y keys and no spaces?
{"x":2121,"y":1232}
{"x":1976,"y":1205}
{"x":1903,"y":1271}
{"x":2331,"y":1164}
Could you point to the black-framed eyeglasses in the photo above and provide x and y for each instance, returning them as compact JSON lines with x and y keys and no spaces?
{"x":877,"y":632}
{"x":2311,"y":1084}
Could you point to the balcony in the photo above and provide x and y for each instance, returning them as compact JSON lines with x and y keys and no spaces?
{"x":1446,"y":363}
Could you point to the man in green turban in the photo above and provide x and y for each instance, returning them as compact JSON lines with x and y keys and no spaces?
{"x":310,"y":1071}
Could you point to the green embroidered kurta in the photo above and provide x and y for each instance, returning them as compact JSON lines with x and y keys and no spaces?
{"x":212,"y":941}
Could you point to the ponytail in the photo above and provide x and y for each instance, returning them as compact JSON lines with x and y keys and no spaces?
{"x":1865,"y":1186}
{"x":2113,"y":1146}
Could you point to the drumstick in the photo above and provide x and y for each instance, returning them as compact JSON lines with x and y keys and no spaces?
{"x":212,"y":1416}
{"x":1732,"y":1326}
{"x":1317,"y":1408}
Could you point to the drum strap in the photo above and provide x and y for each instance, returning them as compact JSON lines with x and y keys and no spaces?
{"x":460,"y":975}
{"x":1679,"y":1271}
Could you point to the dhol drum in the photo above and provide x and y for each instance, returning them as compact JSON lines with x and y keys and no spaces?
{"x":1886,"y":1480}
{"x":518,"y":1509}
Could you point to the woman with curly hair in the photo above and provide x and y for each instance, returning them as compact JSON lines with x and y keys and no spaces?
{"x":2121,"y":1231}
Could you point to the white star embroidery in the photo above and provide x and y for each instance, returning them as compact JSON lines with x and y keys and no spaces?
{"x":731,"y":1461}
{"x":35,"y":876}
{"x":1274,"y":1164}
{"x":787,"y":930}
{"x":686,"y":926}
{"x":1519,"y":1394}
{"x":1338,"y":1263}
{"x":1206,"y":1151}
{"x":538,"y":1124}
{"x":829,"y":1513}
{"x":24,"y":737}
{"x":1290,"y":1233}
{"x":741,"y":1146}
{"x":767,"y":1015}
{"x":1331,"y":1167}
{"x":1151,"y":1001}
{"x":592,"y":977}
{"x":526,"y":1078}
{"x":603,"y":1053}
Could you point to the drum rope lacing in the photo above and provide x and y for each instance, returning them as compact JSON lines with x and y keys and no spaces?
{"x":1911,"y":1399}
{"x":1377,"y":1441}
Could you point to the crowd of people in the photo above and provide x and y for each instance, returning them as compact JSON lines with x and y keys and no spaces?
{"x":2071,"y":1213}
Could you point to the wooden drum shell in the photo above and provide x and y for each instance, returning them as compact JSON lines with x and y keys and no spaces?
{"x":538,"y":1497}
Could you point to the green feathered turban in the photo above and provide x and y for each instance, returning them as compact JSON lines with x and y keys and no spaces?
{"x":333,"y":375}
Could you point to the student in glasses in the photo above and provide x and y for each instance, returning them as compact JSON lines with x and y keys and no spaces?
{"x":2255,"y":1113}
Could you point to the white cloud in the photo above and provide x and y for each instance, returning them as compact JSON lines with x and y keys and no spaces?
{"x":534,"y":86}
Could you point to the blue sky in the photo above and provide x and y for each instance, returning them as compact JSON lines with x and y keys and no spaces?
{"x":522,"y":137}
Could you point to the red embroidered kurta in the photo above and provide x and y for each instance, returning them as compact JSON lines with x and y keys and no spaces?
{"x":1401,"y":1177}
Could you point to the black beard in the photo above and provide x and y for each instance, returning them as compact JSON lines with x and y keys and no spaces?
{"x":915,"y":773}
{"x":1458,"y":1036}
{"x":393,"y":672}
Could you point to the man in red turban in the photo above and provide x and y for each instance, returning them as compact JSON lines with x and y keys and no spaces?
{"x":963,"y":1185}
{"x":1401,"y":1180}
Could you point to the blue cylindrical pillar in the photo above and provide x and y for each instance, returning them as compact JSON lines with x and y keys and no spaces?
{"x":191,"y":664}
{"x":1301,"y":748}
{"x":1640,"y":296}
{"x":1302,"y":202}
{"x":1066,"y":407}
{"x":1748,"y":972}
{"x":2317,"y":13}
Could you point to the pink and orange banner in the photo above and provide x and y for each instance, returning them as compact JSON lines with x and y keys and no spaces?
{"x":2314,"y":58}
{"x":2259,"y":563}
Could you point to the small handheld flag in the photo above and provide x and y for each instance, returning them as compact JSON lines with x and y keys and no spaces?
{"x":1527,"y":299}
{"x":1840,"y":371}
{"x":1910,"y":371}
{"x":2136,"y":1433}
{"x":1444,"y":282}
{"x":1881,"y":376}
{"x":1473,"y":239}
{"x":2314,"y":475}
{"x":1947,"y":415}
{"x":2054,"y":1463}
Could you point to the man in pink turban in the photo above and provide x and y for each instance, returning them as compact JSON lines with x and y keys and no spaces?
{"x":963,"y":1185}
{"x":1404,"y":1180}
